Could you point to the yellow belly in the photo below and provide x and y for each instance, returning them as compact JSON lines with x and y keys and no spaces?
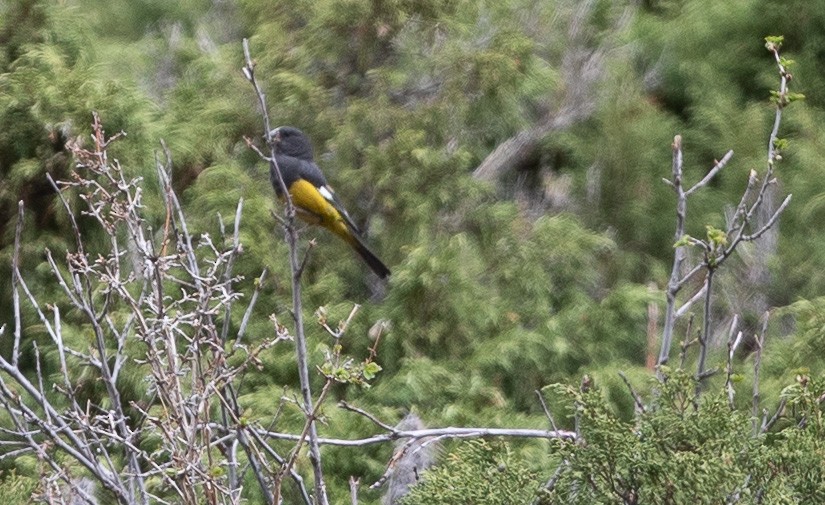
{"x":312,"y":207}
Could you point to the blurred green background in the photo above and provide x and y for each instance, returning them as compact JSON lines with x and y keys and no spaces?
{"x":500,"y":286}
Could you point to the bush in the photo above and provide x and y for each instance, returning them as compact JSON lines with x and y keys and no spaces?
{"x":478,"y":473}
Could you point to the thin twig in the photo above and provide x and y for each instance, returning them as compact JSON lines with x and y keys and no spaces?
{"x":346,"y":406}
{"x":711,"y":173}
{"x":15,"y":282}
{"x":770,"y":222}
{"x":230,"y":262}
{"x":311,"y":417}
{"x":378,"y":330}
{"x":353,"y":490}
{"x":757,"y":364}
{"x":705,"y":337}
{"x":689,"y":303}
{"x":342,"y":325}
{"x":640,"y":406}
{"x":297,"y":311}
{"x":686,"y":343}
{"x":547,"y":412}
{"x":775,"y":417}
{"x":259,"y":283}
{"x":733,"y":344}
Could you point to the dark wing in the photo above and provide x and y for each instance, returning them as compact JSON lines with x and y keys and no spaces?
{"x":293,"y":169}
{"x":333,"y":199}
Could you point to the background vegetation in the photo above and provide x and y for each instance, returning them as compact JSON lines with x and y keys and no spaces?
{"x":500,"y":285}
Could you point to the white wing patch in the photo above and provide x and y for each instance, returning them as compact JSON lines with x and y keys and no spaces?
{"x":329,"y":195}
{"x":326,"y":193}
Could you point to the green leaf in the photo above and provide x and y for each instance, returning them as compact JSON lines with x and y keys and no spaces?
{"x":371,"y":369}
{"x":685,"y":240}
{"x":716,"y":236}
{"x":774,"y":42}
{"x":793,"y":97}
{"x":780,"y":144}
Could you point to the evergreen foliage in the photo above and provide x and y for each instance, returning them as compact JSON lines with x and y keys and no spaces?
{"x":498,"y":288}
{"x":682,"y":449}
{"x":17,"y":489}
{"x":478,"y":473}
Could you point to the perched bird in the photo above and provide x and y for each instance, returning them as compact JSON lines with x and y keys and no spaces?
{"x":314,"y":200}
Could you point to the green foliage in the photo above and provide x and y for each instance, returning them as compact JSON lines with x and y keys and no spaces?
{"x":48,"y":90}
{"x":478,"y":473}
{"x":490,"y":298}
{"x":17,"y":489}
{"x":345,"y":370}
{"x":774,"y":42}
{"x":717,"y":238}
{"x":800,"y":354}
{"x":682,"y":449}
{"x":631,"y":199}
{"x":688,"y":449}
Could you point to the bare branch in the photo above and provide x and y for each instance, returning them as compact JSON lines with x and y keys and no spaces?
{"x":342,"y":325}
{"x":546,"y":410}
{"x":711,"y":174}
{"x":757,"y":365}
{"x":456,"y":433}
{"x":297,"y":310}
{"x":780,"y":410}
{"x":230,"y":262}
{"x":674,"y":284}
{"x":733,"y":344}
{"x":770,"y":222}
{"x":346,"y":406}
{"x":693,"y":299}
{"x":704,"y":337}
{"x":259,"y":283}
{"x":353,"y":490}
{"x":640,"y":406}
{"x":686,"y":342}
{"x":15,"y":282}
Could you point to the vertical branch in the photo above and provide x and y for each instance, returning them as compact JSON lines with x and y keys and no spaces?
{"x":757,"y":365}
{"x":677,"y":281}
{"x":353,"y":490}
{"x":687,"y":342}
{"x":782,"y":100}
{"x":291,"y":233}
{"x":15,"y":282}
{"x":227,"y":276}
{"x":732,"y":346}
{"x":704,"y":338}
{"x":720,"y":249}
{"x":673,"y":285}
{"x":652,"y":331}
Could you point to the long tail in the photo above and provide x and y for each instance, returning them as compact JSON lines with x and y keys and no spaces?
{"x":369,"y":257}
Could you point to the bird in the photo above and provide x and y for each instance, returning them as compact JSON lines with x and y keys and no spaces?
{"x":314,"y":200}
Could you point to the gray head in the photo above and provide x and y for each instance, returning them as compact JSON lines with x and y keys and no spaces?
{"x":292,"y":142}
